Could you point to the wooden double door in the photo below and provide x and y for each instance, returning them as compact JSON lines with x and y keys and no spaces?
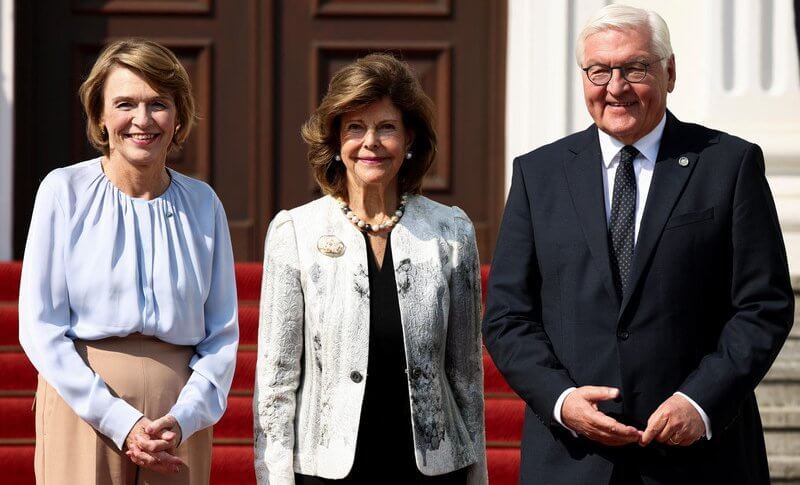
{"x":258,"y":69}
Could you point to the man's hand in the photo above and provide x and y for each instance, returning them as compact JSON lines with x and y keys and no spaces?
{"x":153,"y":452}
{"x":676,"y":423}
{"x":579,"y":413}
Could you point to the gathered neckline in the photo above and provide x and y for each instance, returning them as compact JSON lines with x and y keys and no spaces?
{"x":138,"y":200}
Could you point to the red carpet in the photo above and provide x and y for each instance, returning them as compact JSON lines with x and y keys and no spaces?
{"x":233,"y":453}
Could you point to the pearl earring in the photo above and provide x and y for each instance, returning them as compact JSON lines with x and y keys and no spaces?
{"x":338,"y":158}
{"x":409,"y":155}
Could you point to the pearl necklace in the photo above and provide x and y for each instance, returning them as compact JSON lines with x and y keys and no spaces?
{"x":366,"y":227}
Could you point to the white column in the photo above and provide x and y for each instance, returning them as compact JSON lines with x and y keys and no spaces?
{"x":6,"y":125}
{"x":543,"y":101}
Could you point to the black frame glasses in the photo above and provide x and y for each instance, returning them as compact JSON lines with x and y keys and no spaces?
{"x":633,"y":72}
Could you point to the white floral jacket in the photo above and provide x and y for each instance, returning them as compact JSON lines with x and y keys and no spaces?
{"x":313,"y":341}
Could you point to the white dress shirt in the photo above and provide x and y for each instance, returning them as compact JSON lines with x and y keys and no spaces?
{"x":643,"y":166}
{"x":99,"y":263}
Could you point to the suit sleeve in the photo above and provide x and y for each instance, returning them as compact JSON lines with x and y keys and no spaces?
{"x":512,"y":326}
{"x":280,"y":347}
{"x":464,"y":350}
{"x":761,"y":297}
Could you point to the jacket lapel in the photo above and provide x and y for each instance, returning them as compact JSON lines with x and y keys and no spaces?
{"x":584,"y":178}
{"x":402,"y":240}
{"x":669,"y":179}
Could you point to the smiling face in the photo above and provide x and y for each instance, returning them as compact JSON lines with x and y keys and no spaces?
{"x":627,"y":111}
{"x":373,"y":145}
{"x":140,"y":121}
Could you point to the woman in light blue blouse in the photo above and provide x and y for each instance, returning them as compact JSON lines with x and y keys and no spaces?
{"x":128,"y":300}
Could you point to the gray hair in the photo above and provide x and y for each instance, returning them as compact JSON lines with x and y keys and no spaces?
{"x":622,"y":17}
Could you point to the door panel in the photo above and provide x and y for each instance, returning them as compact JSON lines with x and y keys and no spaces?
{"x":456,"y":48}
{"x":219,"y":47}
{"x":258,"y":69}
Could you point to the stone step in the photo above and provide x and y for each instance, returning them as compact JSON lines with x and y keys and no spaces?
{"x":779,"y":402}
{"x":784,"y":469}
{"x":783,"y":370}
{"x":790,"y":351}
{"x":784,"y":442}
{"x":781,"y":417}
{"x":795,"y":333}
{"x":779,"y":393}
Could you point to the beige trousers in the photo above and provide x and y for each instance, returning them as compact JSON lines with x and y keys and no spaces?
{"x":146,"y":372}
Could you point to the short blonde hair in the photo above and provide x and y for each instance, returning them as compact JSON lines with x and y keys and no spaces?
{"x":158,"y":66}
{"x":622,"y":17}
{"x":357,"y":85}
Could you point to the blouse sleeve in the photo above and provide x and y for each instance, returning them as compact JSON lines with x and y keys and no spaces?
{"x":280,"y":346}
{"x":44,"y":319}
{"x":203,"y":399}
{"x":464,"y":350}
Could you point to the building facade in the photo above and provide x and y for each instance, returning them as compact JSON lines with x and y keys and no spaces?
{"x":501,"y":72}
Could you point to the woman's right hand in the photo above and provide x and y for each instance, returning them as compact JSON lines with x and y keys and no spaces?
{"x":155,"y":453}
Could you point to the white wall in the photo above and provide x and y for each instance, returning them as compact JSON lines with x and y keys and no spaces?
{"x":737,"y":70}
{"x":6,"y":124}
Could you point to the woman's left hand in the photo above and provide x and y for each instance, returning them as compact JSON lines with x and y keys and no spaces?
{"x":165,"y":428}
{"x":153,"y":451}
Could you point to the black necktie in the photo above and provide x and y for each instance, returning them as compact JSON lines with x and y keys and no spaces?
{"x":623,"y":219}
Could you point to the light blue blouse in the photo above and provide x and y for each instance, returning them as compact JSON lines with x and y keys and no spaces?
{"x":99,"y":263}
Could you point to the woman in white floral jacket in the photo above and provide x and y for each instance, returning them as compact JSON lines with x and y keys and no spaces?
{"x":369,"y":360}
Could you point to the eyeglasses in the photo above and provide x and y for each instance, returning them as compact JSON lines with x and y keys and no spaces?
{"x":633,"y":72}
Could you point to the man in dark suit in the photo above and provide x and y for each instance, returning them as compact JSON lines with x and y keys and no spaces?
{"x":639,"y":289}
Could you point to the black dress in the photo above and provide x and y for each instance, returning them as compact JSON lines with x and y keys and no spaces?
{"x":385,"y":445}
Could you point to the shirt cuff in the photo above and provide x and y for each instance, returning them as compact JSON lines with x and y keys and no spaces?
{"x":557,"y":410}
{"x":703,"y":415}
{"x":118,"y":422}
{"x":186,"y":420}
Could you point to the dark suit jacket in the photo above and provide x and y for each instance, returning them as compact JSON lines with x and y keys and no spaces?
{"x":710,"y":306}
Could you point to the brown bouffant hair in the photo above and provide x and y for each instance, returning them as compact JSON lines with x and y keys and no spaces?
{"x":158,"y":66}
{"x":366,"y":81}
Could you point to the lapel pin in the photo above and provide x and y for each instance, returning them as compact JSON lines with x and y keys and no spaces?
{"x":683,"y":162}
{"x":330,"y":246}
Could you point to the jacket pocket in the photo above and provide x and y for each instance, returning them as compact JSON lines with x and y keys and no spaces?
{"x":690,"y":218}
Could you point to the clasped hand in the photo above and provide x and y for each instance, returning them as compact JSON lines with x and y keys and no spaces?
{"x":676,"y":422}
{"x":152,"y":444}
